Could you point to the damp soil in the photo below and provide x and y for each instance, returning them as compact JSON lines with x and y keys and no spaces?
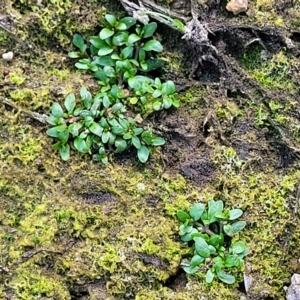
{"x":81,"y":230}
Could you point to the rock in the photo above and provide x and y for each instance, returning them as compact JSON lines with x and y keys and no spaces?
{"x":237,"y":6}
{"x":293,"y":292}
{"x":8,"y":56}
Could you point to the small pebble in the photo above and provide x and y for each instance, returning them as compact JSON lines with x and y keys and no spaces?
{"x":8,"y":56}
{"x":237,"y":6}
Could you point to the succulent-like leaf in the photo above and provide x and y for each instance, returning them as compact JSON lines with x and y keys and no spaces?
{"x":196,"y":260}
{"x":197,"y":210}
{"x":111,"y":19}
{"x":235,"y":213}
{"x":120,"y":38}
{"x":105,"y":33}
{"x":157,"y":141}
{"x":149,"y":29}
{"x":153,"y":45}
{"x":227,"y":278}
{"x":120,"y":145}
{"x":57,"y":110}
{"x":143,"y":154}
{"x":70,"y":103}
{"x":182,"y":215}
{"x":209,"y":277}
{"x":80,"y":145}
{"x":202,"y":247}
{"x":64,"y":152}
{"x":78,"y":41}
{"x":127,"y":21}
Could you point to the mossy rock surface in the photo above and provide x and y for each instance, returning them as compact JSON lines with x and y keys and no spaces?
{"x":81,"y":230}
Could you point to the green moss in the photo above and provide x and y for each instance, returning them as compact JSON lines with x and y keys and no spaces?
{"x":273,"y":74}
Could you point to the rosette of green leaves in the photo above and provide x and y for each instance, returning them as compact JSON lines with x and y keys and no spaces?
{"x":98,"y":124}
{"x":153,"y":92}
{"x":118,"y":46}
{"x":208,"y":240}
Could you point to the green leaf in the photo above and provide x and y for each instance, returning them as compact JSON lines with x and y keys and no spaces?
{"x":118,"y":130}
{"x":82,"y":66}
{"x":209,"y":277}
{"x":106,"y":101}
{"x":136,"y":142}
{"x":105,"y":50}
{"x":149,"y":29}
{"x":70,"y":103}
{"x":153,"y":45}
{"x":190,"y":270}
{"x":168,"y":88}
{"x":104,"y":61}
{"x":133,"y":100}
{"x":232,"y":229}
{"x":179,"y":25}
{"x":120,"y":145}
{"x":212,"y":249}
{"x":97,"y":42}
{"x":175,"y":103}
{"x":196,"y":211}
{"x":137,"y":131}
{"x":182,"y":215}
{"x":154,"y":63}
{"x":190,"y":235}
{"x":143,"y":154}
{"x":156,"y":94}
{"x":74,"y":54}
{"x":214,"y":207}
{"x":227,"y":278}
{"x":96,"y":129}
{"x":202,"y":247}
{"x":185,"y":228}
{"x":127,"y":21}
{"x":110,"y":19}
{"x":57,"y":110}
{"x":79,"y":42}
{"x":52,"y":132}
{"x":80,"y":145}
{"x":157,"y":141}
{"x":63,"y":136}
{"x":167,"y":102}
{"x":117,"y":107}
{"x":64,"y":152}
{"x":235,"y":213}
{"x":105,"y":137}
{"x":105,"y":33}
{"x":142,"y":55}
{"x":120,"y":38}
{"x":215,"y":240}
{"x":238,"y":247}
{"x":74,"y":129}
{"x":196,"y":260}
{"x":127,"y":52}
{"x":221,"y":215}
{"x":156,"y":105}
{"x":54,"y":121}
{"x":133,"y":38}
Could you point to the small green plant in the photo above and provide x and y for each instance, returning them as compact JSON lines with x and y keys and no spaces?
{"x":122,"y":53}
{"x":98,"y":125}
{"x":120,"y":57}
{"x":210,"y":232}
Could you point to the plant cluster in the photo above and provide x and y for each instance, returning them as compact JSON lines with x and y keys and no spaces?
{"x":120,"y":57}
{"x":209,"y":232}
